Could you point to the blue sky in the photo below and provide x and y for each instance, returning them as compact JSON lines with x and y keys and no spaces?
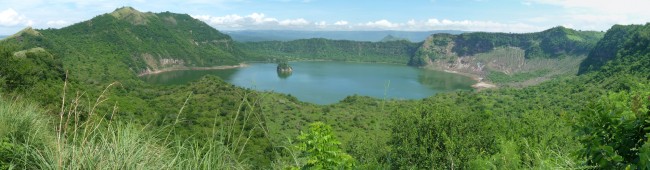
{"x":408,"y":15}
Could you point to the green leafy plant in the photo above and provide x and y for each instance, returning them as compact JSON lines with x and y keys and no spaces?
{"x":321,"y":149}
{"x":614,"y":130}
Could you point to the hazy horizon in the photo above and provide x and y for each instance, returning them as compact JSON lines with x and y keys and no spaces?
{"x":517,"y":16}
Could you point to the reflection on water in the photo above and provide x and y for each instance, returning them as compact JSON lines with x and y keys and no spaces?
{"x":444,"y":81}
{"x":185,"y":76}
{"x":284,"y":75}
{"x":329,"y":82}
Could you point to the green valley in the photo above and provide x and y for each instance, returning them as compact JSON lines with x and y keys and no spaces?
{"x":71,"y":98}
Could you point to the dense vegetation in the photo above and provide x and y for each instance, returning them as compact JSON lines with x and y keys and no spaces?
{"x":333,"y":50}
{"x":55,"y":115}
{"x":127,"y":42}
{"x":508,"y":59}
{"x":290,"y":35}
{"x":625,"y":45}
{"x":505,"y":59}
{"x":552,"y":43}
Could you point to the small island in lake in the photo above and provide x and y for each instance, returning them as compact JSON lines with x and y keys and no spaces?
{"x":283,"y":67}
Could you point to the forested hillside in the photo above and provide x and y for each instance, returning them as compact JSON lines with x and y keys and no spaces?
{"x":69,"y":105}
{"x":508,"y":58}
{"x":333,"y":50}
{"x":625,"y":46}
{"x":505,"y":59}
{"x":127,"y":41}
{"x":290,"y":35}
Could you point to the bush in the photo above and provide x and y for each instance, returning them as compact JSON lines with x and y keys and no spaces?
{"x":614,"y":130}
{"x":321,"y":149}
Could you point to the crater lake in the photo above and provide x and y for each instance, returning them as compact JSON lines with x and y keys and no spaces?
{"x":325,"y":82}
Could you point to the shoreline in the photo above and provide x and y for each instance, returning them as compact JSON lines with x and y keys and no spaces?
{"x":182,"y":68}
{"x":479,"y":85}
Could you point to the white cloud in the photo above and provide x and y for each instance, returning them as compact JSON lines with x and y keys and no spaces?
{"x":294,"y":22}
{"x":261,"y":21}
{"x":604,"y":6}
{"x":321,"y":24}
{"x":598,"y":14}
{"x":381,"y":24}
{"x":469,"y":25}
{"x":10,"y":17}
{"x":411,"y":23}
{"x":341,"y":23}
{"x":57,"y":23}
{"x":237,"y":21}
{"x":260,"y":18}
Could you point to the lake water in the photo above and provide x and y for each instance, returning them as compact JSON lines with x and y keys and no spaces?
{"x":330,"y":82}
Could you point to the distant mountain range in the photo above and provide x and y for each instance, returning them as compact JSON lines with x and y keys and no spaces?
{"x":289,"y":35}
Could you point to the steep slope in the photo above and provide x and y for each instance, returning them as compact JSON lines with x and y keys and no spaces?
{"x":507,"y":58}
{"x":127,"y":42}
{"x":623,"y":49}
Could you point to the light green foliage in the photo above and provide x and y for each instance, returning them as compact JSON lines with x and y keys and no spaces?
{"x":122,"y":44}
{"x":210,"y":124}
{"x":321,"y":149}
{"x":500,"y":77}
{"x":24,"y":132}
{"x":614,"y":130}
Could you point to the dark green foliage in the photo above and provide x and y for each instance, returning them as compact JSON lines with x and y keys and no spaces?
{"x":283,"y":66}
{"x":552,"y":43}
{"x":624,"y":49}
{"x":493,"y":129}
{"x":124,"y":43}
{"x":556,"y":42}
{"x":33,"y":72}
{"x":11,"y":153}
{"x":614,"y":130}
{"x":334,"y":50}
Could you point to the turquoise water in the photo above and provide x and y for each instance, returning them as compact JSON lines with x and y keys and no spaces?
{"x":330,"y":82}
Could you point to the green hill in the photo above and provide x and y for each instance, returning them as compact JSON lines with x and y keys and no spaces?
{"x":508,"y":58}
{"x":623,"y":49}
{"x":334,"y":50}
{"x":127,"y":42}
{"x":392,"y":38}
{"x":80,"y":120}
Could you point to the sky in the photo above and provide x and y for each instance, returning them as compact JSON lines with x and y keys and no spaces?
{"x":516,"y":16}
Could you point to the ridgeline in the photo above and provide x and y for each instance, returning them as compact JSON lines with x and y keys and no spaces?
{"x":59,"y":107}
{"x":508,"y":59}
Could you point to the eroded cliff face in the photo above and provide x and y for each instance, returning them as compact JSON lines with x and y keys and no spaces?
{"x":506,"y":61}
{"x":504,"y":58}
{"x":157,"y":63}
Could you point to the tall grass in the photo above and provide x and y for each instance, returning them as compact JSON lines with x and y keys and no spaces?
{"x":80,"y":137}
{"x":24,"y":133}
